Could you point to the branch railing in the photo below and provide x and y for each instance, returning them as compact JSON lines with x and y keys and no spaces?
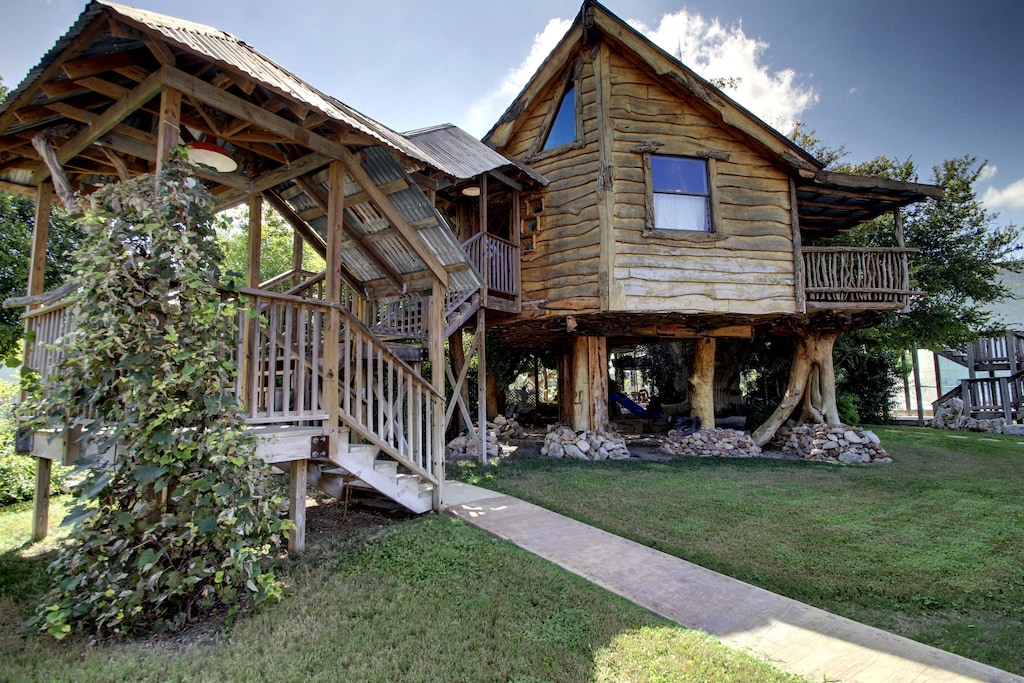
{"x":857,"y":277}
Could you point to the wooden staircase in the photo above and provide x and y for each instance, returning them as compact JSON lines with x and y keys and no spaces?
{"x":990,"y":397}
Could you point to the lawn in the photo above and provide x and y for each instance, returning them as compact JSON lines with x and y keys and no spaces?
{"x":381,"y":599}
{"x":930,"y":546}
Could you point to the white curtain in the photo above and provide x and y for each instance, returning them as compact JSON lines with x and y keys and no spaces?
{"x":680,"y":212}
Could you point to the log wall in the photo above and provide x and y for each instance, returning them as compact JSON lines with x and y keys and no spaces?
{"x":746,"y":265}
{"x":560,"y":273}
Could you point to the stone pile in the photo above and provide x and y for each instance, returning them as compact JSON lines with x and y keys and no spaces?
{"x":469,"y":445}
{"x":502,"y":429}
{"x":506,"y":428}
{"x":707,"y":443}
{"x":950,"y":415}
{"x":565,"y":442}
{"x":838,"y":443}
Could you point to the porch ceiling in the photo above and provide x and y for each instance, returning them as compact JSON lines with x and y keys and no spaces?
{"x":835,"y":202}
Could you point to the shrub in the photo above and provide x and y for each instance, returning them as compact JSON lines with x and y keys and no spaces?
{"x":177,"y":522}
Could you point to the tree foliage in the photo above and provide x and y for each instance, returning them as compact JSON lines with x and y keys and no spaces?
{"x":17,"y":216}
{"x":178,"y":521}
{"x":276,"y":244}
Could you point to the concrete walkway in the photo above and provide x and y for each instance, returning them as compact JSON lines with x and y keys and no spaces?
{"x":795,"y":637}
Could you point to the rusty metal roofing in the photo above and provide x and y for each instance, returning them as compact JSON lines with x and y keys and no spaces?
{"x":461,"y":155}
{"x":229,"y":51}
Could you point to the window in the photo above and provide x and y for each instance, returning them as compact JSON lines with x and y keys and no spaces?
{"x":563,"y":129}
{"x":681,"y":193}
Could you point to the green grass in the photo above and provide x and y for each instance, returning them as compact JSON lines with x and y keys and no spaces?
{"x":427,"y":599}
{"x":930,"y":546}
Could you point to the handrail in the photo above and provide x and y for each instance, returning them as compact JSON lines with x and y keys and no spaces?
{"x":858,"y":277}
{"x":287,"y":276}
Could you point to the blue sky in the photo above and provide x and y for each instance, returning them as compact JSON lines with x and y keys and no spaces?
{"x":931,"y":80}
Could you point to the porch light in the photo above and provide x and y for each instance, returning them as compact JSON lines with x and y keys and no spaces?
{"x":214,"y":156}
{"x":471,"y":191}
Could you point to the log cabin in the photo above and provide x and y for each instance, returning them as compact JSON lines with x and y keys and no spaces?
{"x":672,"y":212}
{"x":620,"y":197}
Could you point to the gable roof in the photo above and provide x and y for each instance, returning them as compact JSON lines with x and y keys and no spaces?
{"x":593,"y":19}
{"x":827,"y":202}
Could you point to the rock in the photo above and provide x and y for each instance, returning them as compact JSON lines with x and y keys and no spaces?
{"x":851,"y":437}
{"x":872,"y":437}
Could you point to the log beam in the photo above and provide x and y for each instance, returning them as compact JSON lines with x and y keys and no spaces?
{"x":702,"y":381}
{"x":589,"y":361}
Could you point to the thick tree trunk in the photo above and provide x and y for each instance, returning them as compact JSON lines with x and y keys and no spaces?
{"x":812,"y":384}
{"x":702,"y":381}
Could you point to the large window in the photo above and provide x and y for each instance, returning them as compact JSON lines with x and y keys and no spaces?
{"x":681,"y":193}
{"x":563,"y":129}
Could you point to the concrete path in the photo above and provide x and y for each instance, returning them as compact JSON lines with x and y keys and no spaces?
{"x":795,"y":637}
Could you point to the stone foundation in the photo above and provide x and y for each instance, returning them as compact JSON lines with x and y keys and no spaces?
{"x":839,"y":443}
{"x":565,"y":442}
{"x":708,"y":443}
{"x":502,"y":429}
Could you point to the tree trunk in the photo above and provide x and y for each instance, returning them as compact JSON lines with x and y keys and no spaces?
{"x":702,"y":381}
{"x":812,"y":383}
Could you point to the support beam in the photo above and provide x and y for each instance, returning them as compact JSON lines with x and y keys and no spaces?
{"x":254,"y":262}
{"x":36,"y":277}
{"x":105,"y":122}
{"x":435,"y":340}
{"x":702,"y":381}
{"x":332,"y":293}
{"x":169,"y":127}
{"x":481,"y":380}
{"x":589,"y":360}
{"x":384,"y":205}
{"x":297,"y":506}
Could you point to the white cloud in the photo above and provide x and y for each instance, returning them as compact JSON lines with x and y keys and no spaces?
{"x":1010,"y":197}
{"x":710,"y":49}
{"x":988,"y":172}
{"x":714,"y":51}
{"x":484,"y":112}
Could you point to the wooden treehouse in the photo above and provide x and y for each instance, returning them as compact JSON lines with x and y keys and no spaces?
{"x":417,"y":233}
{"x":672,"y":213}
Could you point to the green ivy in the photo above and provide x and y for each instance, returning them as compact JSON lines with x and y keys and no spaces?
{"x":178,"y":521}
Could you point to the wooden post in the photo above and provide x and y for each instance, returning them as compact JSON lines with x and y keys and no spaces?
{"x":435,"y":330}
{"x":36,"y":277}
{"x":169,"y":127}
{"x":897,"y":219}
{"x":798,"y":256}
{"x":916,"y":365}
{"x":254,"y":262}
{"x":565,"y":384}
{"x":702,"y":381}
{"x":297,"y":506}
{"x":589,"y":383}
{"x":481,"y":381}
{"x":938,"y":377}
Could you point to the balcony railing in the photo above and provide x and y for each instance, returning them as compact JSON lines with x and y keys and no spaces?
{"x":856,"y":278}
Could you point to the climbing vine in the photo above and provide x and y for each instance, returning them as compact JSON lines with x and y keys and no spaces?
{"x":172,"y":517}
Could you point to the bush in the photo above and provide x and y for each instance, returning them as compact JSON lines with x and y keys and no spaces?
{"x":18,"y":472}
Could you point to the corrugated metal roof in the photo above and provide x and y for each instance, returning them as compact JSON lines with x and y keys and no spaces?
{"x":228,"y":50}
{"x":461,"y":155}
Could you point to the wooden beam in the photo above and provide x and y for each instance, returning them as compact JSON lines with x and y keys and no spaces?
{"x":702,"y":381}
{"x":16,"y":189}
{"x":799,"y":294}
{"x":435,"y":341}
{"x":300,"y":226}
{"x":384,"y":205}
{"x":40,"y":237}
{"x":255,"y":242}
{"x":169,"y":126}
{"x":82,"y":41}
{"x":249,"y":111}
{"x":297,"y":506}
{"x":41,"y":501}
{"x":105,"y":122}
{"x":269,"y":179}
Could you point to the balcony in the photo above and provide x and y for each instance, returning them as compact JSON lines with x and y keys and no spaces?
{"x":856,"y":278}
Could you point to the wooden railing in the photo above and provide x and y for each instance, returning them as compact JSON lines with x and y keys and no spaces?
{"x":856,"y":277}
{"x":381,"y":399}
{"x":997,"y":353}
{"x":497,"y":261}
{"x":989,"y":397}
{"x":48,"y":328}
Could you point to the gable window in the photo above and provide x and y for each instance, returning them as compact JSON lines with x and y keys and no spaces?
{"x":681,"y":193}
{"x":563,"y":129}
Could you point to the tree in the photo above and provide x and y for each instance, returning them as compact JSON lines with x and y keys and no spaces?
{"x":275,"y":247}
{"x":17,"y":216}
{"x":177,"y":521}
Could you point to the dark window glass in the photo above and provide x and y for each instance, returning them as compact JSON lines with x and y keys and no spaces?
{"x":563,"y":130}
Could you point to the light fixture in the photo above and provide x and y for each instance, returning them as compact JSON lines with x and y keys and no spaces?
{"x":471,"y":191}
{"x":214,"y":156}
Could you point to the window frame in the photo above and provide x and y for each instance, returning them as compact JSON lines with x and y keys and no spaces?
{"x":711,"y":206}
{"x":572,"y":80}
